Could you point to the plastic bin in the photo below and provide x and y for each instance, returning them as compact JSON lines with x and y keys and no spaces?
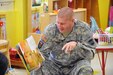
{"x":105,"y":39}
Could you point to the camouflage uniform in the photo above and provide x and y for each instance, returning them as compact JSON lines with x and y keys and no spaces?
{"x":57,"y":61}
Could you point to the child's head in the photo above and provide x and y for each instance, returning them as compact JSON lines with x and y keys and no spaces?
{"x":3,"y":64}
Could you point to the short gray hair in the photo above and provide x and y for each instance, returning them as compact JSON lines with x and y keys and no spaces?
{"x":66,"y":12}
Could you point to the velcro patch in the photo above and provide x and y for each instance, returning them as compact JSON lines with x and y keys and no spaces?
{"x":40,"y":44}
{"x":43,"y":37}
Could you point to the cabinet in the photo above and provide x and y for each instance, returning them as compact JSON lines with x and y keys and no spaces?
{"x":33,"y":17}
{"x":39,"y":9}
{"x":90,"y":5}
{"x":111,"y":2}
{"x":60,"y":3}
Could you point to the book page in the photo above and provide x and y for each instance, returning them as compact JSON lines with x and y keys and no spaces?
{"x":31,"y":57}
{"x":31,"y":43}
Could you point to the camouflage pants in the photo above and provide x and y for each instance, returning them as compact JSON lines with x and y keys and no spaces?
{"x":82,"y":67}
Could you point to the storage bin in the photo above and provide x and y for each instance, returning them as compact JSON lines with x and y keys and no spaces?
{"x":105,"y":39}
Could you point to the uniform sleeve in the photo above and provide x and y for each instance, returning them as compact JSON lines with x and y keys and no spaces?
{"x":45,"y":42}
{"x":87,"y":46}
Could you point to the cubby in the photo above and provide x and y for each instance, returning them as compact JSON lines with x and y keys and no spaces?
{"x":60,"y":4}
{"x":90,"y":5}
{"x":111,"y":2}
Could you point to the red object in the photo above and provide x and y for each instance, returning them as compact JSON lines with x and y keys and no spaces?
{"x":13,"y":54}
{"x":71,"y":4}
{"x":100,"y":31}
{"x":103,"y":50}
{"x":1,"y":23}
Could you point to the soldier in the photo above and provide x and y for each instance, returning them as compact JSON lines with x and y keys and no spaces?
{"x":67,"y":45}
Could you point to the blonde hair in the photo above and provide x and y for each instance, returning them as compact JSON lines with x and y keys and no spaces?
{"x":66,"y":12}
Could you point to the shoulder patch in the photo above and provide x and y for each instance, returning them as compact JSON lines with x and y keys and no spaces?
{"x":42,"y":41}
{"x":43,"y":37}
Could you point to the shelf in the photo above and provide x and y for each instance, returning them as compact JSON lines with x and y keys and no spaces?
{"x":60,"y":4}
{"x":90,"y":5}
{"x":17,"y":63}
{"x":35,"y":9}
{"x":55,"y":0}
{"x":3,"y":50}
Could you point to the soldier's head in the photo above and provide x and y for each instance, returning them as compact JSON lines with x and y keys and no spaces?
{"x":3,"y":64}
{"x":65,"y":20}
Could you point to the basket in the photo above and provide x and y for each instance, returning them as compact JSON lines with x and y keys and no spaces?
{"x":105,"y":39}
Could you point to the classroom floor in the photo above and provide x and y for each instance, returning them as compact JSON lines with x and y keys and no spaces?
{"x":95,"y":65}
{"x":109,"y":65}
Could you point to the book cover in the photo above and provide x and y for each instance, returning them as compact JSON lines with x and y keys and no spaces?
{"x":31,"y":57}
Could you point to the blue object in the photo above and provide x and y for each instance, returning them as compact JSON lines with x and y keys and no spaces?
{"x":94,"y":26}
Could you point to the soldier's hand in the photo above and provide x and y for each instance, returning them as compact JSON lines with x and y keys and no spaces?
{"x":68,"y":47}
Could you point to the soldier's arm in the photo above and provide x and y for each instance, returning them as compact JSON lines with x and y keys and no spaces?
{"x":45,"y":42}
{"x":86,"y":48}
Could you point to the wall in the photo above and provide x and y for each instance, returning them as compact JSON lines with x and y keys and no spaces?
{"x":10,"y":26}
{"x":16,"y":23}
{"x":21,"y":19}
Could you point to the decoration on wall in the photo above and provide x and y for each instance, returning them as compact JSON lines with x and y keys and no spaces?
{"x":111,"y":16}
{"x":1,"y":23}
{"x":36,"y":2}
{"x":2,"y":27}
{"x":35,"y":22}
{"x":6,"y":5}
{"x":45,"y":7}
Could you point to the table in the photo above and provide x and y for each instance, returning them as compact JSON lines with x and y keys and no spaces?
{"x":103,"y":50}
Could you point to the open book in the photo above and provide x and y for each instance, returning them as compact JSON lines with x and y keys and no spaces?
{"x":31,"y":57}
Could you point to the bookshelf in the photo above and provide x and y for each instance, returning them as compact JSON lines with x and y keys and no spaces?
{"x":95,"y":12}
{"x":33,"y":17}
{"x":90,"y":5}
{"x":111,"y":2}
{"x":39,"y":9}
{"x":60,"y":4}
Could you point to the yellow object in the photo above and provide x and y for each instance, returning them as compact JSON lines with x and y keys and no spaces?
{"x":16,"y":22}
{"x":96,"y":72}
{"x":103,"y":12}
{"x":30,"y":56}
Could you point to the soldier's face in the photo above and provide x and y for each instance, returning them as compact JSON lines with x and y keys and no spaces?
{"x":64,"y":25}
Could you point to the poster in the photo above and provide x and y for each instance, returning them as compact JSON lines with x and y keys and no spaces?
{"x":2,"y":27}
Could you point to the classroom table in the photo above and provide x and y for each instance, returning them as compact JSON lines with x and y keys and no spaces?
{"x":104,"y":50}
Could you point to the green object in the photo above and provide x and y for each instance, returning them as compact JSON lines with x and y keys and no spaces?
{"x":111,"y":29}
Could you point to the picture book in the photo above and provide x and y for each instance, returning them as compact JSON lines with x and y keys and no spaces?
{"x":30,"y":55}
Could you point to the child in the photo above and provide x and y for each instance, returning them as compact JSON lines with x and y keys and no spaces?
{"x":3,"y":64}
